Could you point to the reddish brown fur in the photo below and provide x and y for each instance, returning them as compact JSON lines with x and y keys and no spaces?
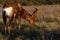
{"x":19,"y":12}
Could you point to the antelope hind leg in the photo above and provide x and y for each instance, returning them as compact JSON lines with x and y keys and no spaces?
{"x":9,"y":25}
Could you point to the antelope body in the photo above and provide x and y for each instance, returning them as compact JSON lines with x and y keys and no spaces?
{"x":15,"y":10}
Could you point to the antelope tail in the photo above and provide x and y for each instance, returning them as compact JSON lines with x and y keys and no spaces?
{"x":4,"y":16}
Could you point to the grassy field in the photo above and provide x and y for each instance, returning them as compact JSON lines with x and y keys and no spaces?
{"x":47,"y":25}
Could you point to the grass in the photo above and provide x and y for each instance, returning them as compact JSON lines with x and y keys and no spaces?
{"x":47,"y":26}
{"x":39,"y":31}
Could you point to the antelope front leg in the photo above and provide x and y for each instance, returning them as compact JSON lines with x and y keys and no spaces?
{"x":19,"y":20}
{"x":15,"y":23}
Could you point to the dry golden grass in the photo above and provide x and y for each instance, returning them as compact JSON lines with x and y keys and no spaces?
{"x":47,"y":17}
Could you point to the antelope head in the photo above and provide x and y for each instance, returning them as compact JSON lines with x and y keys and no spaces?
{"x":32,"y":21}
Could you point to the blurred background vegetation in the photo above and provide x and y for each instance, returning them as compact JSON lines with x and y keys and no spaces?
{"x":47,"y":25}
{"x":33,"y":2}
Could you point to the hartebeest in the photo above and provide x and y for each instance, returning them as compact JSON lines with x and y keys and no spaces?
{"x":15,"y":10}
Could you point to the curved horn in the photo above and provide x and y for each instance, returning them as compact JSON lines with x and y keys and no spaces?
{"x":35,"y":10}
